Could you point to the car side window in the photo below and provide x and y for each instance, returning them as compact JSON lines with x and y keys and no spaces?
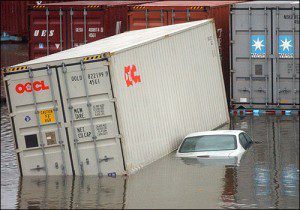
{"x":243,"y":141}
{"x":249,"y":140}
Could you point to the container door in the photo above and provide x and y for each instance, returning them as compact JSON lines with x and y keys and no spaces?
{"x":286,"y":62}
{"x":85,"y":26}
{"x":38,"y":123}
{"x":183,"y":16}
{"x":147,"y":19}
{"x":91,"y":118}
{"x":251,"y":63}
{"x":47,"y":33}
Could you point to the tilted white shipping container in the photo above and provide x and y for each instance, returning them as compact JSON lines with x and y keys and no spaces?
{"x":117,"y":104}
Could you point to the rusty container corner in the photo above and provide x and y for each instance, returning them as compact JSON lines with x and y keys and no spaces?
{"x":172,"y":12}
{"x":59,"y":26}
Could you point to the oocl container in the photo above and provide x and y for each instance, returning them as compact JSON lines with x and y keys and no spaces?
{"x":171,"y":12}
{"x":265,"y":55}
{"x":58,"y":26}
{"x":117,"y":104}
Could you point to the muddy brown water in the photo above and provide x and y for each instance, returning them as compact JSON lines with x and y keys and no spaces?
{"x":267,"y":176}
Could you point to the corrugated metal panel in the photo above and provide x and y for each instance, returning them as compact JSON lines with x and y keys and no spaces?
{"x":188,"y":3}
{"x":266,"y":73}
{"x":100,"y":3}
{"x":172,"y":12}
{"x":154,"y":89}
{"x":115,"y":44}
{"x":146,"y":112}
{"x":14,"y":17}
{"x":59,"y":26}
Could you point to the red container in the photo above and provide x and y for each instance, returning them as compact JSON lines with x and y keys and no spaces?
{"x":59,"y":26}
{"x":14,"y":17}
{"x":171,"y":12}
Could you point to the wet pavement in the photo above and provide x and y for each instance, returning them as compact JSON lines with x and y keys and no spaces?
{"x":267,"y":176}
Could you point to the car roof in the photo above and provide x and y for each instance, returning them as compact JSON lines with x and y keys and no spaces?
{"x":216,"y":132}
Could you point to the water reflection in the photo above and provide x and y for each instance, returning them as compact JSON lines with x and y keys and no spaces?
{"x":266,"y":176}
{"x":57,"y":192}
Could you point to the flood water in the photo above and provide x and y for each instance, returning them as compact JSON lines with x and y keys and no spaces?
{"x":267,"y":176}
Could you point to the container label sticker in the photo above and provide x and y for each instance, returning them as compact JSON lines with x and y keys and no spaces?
{"x":57,"y":46}
{"x":50,"y":137}
{"x":286,"y":46}
{"x":243,"y":100}
{"x":41,"y":45}
{"x":47,"y":116}
{"x":258,"y":46}
{"x":27,"y":118}
{"x":130,"y":76}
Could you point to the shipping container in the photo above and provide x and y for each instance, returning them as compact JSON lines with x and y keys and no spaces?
{"x":171,"y":12}
{"x":58,"y":26}
{"x":117,"y":104}
{"x":14,"y":17}
{"x":265,"y":55}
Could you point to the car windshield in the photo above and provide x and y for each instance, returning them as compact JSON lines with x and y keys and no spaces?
{"x":208,"y":143}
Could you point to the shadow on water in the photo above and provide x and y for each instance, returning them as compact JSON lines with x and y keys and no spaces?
{"x":266,"y":176}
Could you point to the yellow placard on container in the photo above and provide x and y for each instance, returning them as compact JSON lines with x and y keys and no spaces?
{"x":47,"y":116}
{"x":284,"y":101}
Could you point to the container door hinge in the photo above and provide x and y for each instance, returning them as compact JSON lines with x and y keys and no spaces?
{"x":112,"y":99}
{"x":232,"y":42}
{"x":18,"y":150}
{"x":6,"y":78}
{"x":232,"y":71}
{"x":119,"y":136}
{"x":12,"y":115}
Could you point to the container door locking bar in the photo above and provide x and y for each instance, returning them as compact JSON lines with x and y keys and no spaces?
{"x":49,"y":72}
{"x":89,"y":106}
{"x":277,"y":60}
{"x":70,"y":107}
{"x":30,"y":74}
{"x":47,"y":30}
{"x":71,"y":28}
{"x":84,"y":24}
{"x":60,"y":29}
{"x":294,"y":65}
{"x":266,"y":57}
{"x":250,"y":57}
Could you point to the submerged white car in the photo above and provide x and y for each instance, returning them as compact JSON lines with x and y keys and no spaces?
{"x":218,"y":144}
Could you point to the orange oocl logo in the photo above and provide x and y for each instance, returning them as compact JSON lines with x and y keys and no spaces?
{"x":27,"y":87}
